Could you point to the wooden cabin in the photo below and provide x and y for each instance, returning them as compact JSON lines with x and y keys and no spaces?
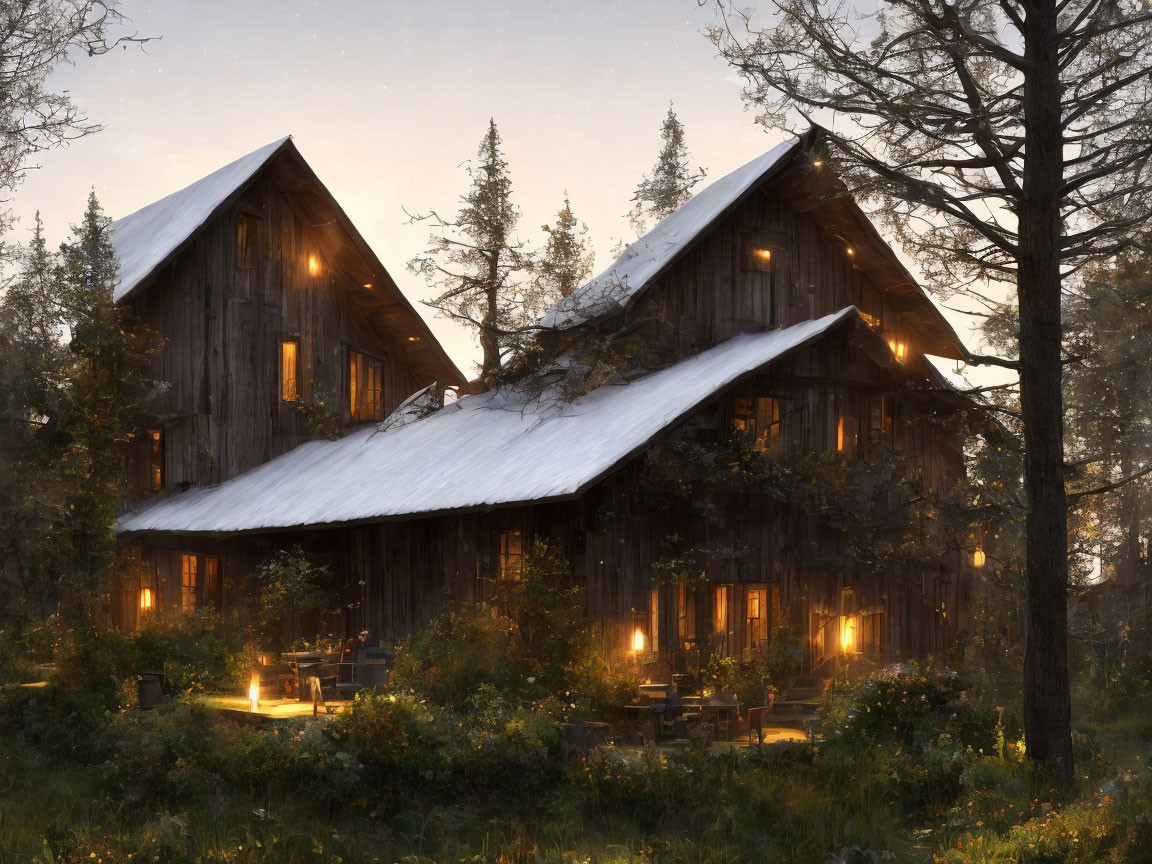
{"x":767,"y":310}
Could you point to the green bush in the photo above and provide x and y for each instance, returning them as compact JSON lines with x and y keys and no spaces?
{"x":196,"y":652}
{"x":748,"y":676}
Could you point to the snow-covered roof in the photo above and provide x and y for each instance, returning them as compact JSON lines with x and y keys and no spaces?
{"x":147,"y":238}
{"x":491,"y":449}
{"x":645,"y":259}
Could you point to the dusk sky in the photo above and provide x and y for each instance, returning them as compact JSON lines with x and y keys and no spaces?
{"x":386,"y":100}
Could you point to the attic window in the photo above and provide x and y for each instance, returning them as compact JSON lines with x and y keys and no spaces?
{"x":155,"y":459}
{"x":510,"y":564}
{"x":290,"y":370}
{"x":247,"y":232}
{"x":364,"y":387}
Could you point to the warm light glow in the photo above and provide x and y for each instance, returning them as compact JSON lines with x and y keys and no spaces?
{"x":840,"y":435}
{"x":847,"y":633}
{"x":638,"y":640}
{"x":763,"y":254}
{"x":979,"y":558}
{"x":368,"y":285}
{"x":817,"y":162}
{"x":254,"y":694}
{"x":850,"y":252}
{"x":898,"y":349}
{"x":313,"y":265}
{"x":146,"y":600}
{"x":413,"y":338}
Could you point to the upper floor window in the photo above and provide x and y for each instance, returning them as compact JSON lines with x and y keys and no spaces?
{"x":510,"y":560}
{"x":247,"y":233}
{"x":365,"y":388}
{"x":758,"y":419}
{"x":290,"y":370}
{"x":155,"y":459}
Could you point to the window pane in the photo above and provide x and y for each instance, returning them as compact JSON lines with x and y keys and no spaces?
{"x":188,"y":574}
{"x":289,"y":370}
{"x":156,"y":459}
{"x":373,"y":391}
{"x":246,"y":232}
{"x":511,"y":558}
{"x":355,"y":372}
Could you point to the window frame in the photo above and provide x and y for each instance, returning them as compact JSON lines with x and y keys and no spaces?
{"x":156,"y":473}
{"x":360,"y":392}
{"x":510,"y":562}
{"x":251,"y":240}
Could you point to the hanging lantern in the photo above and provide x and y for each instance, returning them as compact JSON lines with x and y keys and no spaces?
{"x":847,"y":633}
{"x":978,"y":557}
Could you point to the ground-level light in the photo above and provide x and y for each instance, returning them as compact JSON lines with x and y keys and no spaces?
{"x":638,"y":640}
{"x":254,"y":693}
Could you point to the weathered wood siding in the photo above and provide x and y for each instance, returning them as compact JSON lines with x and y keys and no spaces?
{"x":221,"y":326}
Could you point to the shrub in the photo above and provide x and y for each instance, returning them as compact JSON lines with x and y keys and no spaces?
{"x":748,"y":676}
{"x":641,"y":788}
{"x":602,"y":687}
{"x":289,"y":591}
{"x":196,"y":652}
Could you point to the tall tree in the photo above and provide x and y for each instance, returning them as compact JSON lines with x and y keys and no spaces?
{"x":477,"y":265}
{"x":664,"y":190}
{"x":66,"y":424}
{"x":36,"y":36}
{"x":1006,"y":141}
{"x":565,"y":262}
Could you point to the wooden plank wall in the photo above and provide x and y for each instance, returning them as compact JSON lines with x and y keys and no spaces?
{"x":221,"y":410}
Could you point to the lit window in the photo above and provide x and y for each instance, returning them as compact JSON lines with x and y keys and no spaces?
{"x":156,"y":459}
{"x":511,"y":559}
{"x":880,"y":421}
{"x":846,"y":435}
{"x":899,"y":349}
{"x":149,"y":595}
{"x":365,"y":389}
{"x":290,"y":370}
{"x":755,"y":617}
{"x":639,"y":639}
{"x":685,"y":611}
{"x":759,"y":421}
{"x":848,"y":634}
{"x":721,"y":621}
{"x":247,"y":228}
{"x":760,"y":258}
{"x":189,"y":570}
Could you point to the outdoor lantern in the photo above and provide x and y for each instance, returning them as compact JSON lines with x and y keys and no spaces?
{"x":978,"y":557}
{"x":313,"y":265}
{"x":638,"y":640}
{"x":254,"y":693}
{"x":146,"y":600}
{"x":847,"y":633}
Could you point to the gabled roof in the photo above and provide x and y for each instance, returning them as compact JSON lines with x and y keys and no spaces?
{"x":492,"y":449}
{"x":824,"y":198}
{"x":147,"y":240}
{"x":647,"y":258}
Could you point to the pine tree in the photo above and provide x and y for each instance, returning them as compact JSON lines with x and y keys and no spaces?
{"x":566,"y":260}
{"x":669,"y":185}
{"x":477,"y":265}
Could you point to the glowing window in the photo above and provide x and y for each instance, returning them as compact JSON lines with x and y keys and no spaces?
{"x":759,"y":421}
{"x":511,"y":558}
{"x":156,"y":459}
{"x":365,"y":387}
{"x":189,"y":571}
{"x":755,"y":617}
{"x":290,"y":370}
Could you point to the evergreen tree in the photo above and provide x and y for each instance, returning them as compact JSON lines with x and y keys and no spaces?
{"x":566,"y":260}
{"x":477,"y":265}
{"x":669,"y":185}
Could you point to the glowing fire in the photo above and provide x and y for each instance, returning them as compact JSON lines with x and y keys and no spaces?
{"x":254,"y":694}
{"x":146,"y":599}
{"x":638,"y":640}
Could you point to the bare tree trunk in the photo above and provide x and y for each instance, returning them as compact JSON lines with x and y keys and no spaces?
{"x":489,"y":329}
{"x":1047,"y":708}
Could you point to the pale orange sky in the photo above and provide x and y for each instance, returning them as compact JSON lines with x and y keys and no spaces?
{"x":386,"y":99}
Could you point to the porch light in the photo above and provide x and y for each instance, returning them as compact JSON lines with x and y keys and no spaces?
{"x":979,"y":559}
{"x":850,"y":252}
{"x":817,"y":163}
{"x":847,"y":633}
{"x":764,"y":255}
{"x":368,"y":285}
{"x":313,"y":265}
{"x":146,"y":600}
{"x":254,"y":694}
{"x":638,"y":640}
{"x":413,"y":338}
